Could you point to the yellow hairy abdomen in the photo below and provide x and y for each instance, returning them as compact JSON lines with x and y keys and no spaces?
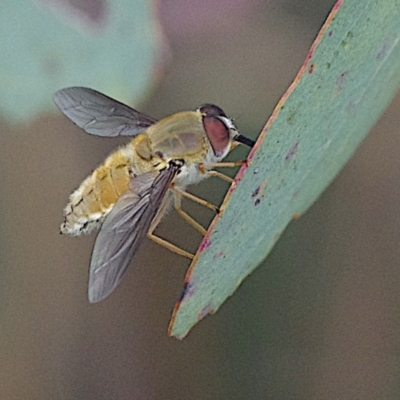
{"x":97,"y":194}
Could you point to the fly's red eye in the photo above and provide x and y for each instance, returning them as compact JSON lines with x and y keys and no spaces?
{"x":217,"y":133}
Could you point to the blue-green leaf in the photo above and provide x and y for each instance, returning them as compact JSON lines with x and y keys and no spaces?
{"x":350,"y":74}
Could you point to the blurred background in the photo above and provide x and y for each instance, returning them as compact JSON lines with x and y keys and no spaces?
{"x":318,"y":320}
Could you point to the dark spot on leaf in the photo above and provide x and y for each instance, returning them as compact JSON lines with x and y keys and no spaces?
{"x":219,"y":254}
{"x":204,"y":311}
{"x":205,"y":244}
{"x":341,"y":80}
{"x":256,"y":192}
{"x":188,"y":291}
{"x":292,"y":152}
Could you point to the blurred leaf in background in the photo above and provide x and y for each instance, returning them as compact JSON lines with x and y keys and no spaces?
{"x":48,"y":44}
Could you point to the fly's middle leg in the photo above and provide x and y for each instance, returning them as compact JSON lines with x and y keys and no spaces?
{"x":160,"y":241}
{"x":184,"y":215}
{"x":194,"y":198}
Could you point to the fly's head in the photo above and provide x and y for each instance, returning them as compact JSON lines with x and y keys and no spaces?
{"x":220,"y":130}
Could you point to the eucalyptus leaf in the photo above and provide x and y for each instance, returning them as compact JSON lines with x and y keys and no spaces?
{"x":350,"y":74}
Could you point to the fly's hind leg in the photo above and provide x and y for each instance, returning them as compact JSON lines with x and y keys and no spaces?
{"x":160,"y":241}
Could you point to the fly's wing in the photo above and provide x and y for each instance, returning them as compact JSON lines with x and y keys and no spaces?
{"x":124,"y":230}
{"x":99,"y":114}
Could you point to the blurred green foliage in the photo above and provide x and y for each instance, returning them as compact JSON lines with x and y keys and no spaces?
{"x":46,"y":46}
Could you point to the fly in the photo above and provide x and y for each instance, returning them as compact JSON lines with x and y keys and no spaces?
{"x":128,"y":194}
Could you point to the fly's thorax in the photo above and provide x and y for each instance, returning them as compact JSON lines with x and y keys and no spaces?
{"x":179,"y":136}
{"x":144,"y":159}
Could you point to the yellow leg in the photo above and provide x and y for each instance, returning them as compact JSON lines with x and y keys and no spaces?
{"x":185,"y":216}
{"x":228,"y":164}
{"x":206,"y":168}
{"x":192,"y":197}
{"x":161,"y":212}
{"x":220,"y":175}
{"x":160,"y":241}
{"x":170,"y":246}
{"x":178,"y":193}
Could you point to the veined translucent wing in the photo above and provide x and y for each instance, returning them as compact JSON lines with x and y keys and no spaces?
{"x":99,"y":114}
{"x":124,"y":230}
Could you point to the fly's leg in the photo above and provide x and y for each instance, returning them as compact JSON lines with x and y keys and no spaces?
{"x":178,"y":194}
{"x":169,"y":246}
{"x":185,"y":216}
{"x":220,"y":176}
{"x":196,"y":199}
{"x":228,"y":164}
{"x":234,"y":145}
{"x":205,"y":169}
{"x":162,"y":242}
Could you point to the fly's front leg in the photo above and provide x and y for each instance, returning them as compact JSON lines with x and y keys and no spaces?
{"x":205,"y":169}
{"x":164,"y":242}
{"x":228,"y":164}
